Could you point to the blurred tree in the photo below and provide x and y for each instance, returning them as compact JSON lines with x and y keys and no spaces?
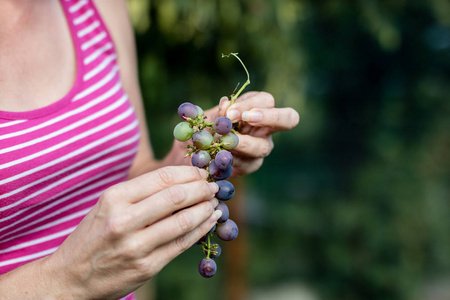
{"x":354,"y":201}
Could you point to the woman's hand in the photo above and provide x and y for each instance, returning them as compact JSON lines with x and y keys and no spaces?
{"x":132,"y":233}
{"x":258,"y":120}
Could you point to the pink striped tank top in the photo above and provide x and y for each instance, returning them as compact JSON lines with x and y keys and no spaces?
{"x":55,"y":161}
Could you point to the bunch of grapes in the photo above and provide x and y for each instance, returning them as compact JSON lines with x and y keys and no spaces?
{"x":210,"y":147}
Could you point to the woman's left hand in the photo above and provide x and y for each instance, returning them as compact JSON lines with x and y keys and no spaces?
{"x":258,"y":120}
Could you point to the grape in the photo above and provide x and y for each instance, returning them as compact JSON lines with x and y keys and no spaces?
{"x":183,"y":131}
{"x":214,"y":248}
{"x":199,"y":111}
{"x":200,"y":159}
{"x":187,"y":110}
{"x":230,"y":140}
{"x":218,"y":174}
{"x":202,"y":139}
{"x":227,"y":231}
{"x":222,"y":125}
{"x":204,"y":239}
{"x":223,"y":159}
{"x":226,"y":190}
{"x":207,"y":267}
{"x":225,"y":212}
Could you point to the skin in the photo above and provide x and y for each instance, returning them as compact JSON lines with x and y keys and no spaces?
{"x":131,"y":233}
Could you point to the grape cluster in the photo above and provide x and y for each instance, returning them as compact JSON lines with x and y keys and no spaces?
{"x":210,"y":147}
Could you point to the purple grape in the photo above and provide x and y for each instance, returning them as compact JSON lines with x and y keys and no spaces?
{"x":204,"y":239}
{"x":226,"y":190}
{"x":214,"y":248}
{"x":202,"y":139}
{"x":225,"y":212}
{"x":200,"y":159}
{"x":222,"y":125}
{"x":187,"y":110}
{"x":223,"y":159}
{"x":207,"y":267}
{"x":227,"y":231}
{"x":230,"y":140}
{"x":218,"y":174}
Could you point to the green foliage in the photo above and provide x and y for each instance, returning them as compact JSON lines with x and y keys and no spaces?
{"x":355,"y":199}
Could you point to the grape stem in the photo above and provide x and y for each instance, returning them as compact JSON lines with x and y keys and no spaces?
{"x":235,"y":96}
{"x":209,"y":247}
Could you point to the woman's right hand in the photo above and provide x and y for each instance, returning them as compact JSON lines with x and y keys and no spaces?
{"x":132,"y":233}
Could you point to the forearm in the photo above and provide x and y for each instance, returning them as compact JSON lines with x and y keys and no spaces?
{"x":40,"y":279}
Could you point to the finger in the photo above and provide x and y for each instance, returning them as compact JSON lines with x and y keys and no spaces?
{"x":243,"y":165}
{"x":254,"y":147}
{"x":251,"y":100}
{"x":176,"y":197}
{"x":148,"y":184}
{"x":173,"y":227}
{"x":162,"y":255}
{"x":224,"y":103}
{"x":278,"y":119}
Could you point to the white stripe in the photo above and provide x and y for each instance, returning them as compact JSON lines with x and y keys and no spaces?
{"x":68,"y":128}
{"x":27,"y":257}
{"x":74,"y":166}
{"x":11,"y":123}
{"x":77,"y":6}
{"x":88,"y":29}
{"x":98,"y":85}
{"x":93,"y":41}
{"x":83,"y":17}
{"x":97,"y":53}
{"x":39,"y":240}
{"x":71,"y":113}
{"x":68,"y":197}
{"x":67,"y":178}
{"x":101,"y":66}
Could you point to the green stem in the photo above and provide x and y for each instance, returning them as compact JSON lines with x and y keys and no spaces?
{"x":235,"y":96}
{"x":209,"y":246}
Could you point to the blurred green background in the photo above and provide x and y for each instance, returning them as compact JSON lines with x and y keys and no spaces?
{"x":354,"y":202}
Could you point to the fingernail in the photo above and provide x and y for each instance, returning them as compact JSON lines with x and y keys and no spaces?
{"x":223,"y":99}
{"x":214,"y":202}
{"x":218,"y":213}
{"x":252,"y":116}
{"x":203,"y":173}
{"x":214,"y":187}
{"x":233,"y":115}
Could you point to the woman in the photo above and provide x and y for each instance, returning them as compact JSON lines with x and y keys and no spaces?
{"x":85,"y":209}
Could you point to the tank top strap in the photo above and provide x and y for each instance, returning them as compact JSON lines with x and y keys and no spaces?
{"x":91,"y":38}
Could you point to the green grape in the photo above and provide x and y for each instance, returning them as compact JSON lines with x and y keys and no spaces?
{"x":202,"y":139}
{"x":183,"y":131}
{"x":230,"y":140}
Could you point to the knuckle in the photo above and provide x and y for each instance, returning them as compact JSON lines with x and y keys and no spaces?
{"x":182,"y":243}
{"x":133,"y":249}
{"x":176,"y":195}
{"x":165,"y":176}
{"x":184,"y":223}
{"x":106,"y":199}
{"x":117,"y":226}
{"x":269,"y":99}
{"x":266,"y":148}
